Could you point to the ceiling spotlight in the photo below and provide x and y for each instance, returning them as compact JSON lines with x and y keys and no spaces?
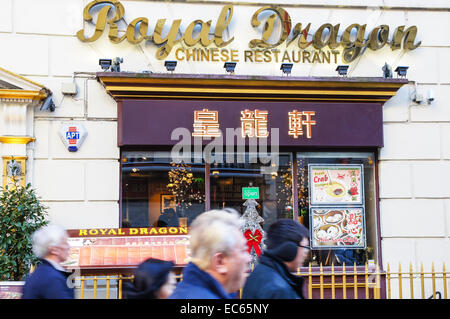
{"x":105,"y":64}
{"x":387,"y":70}
{"x":229,"y":67}
{"x":48,"y":104}
{"x":401,"y":71}
{"x":286,"y":68}
{"x":342,"y":70}
{"x":170,"y":65}
{"x":115,"y":67}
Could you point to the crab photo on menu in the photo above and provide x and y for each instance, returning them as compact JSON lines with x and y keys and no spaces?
{"x":336,"y":184}
{"x":338,"y":227}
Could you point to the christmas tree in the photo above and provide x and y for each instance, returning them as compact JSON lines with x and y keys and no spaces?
{"x":252,"y":229}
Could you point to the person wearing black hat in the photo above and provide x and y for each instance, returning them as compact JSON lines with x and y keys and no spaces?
{"x":287,"y":248}
{"x":153,"y":279}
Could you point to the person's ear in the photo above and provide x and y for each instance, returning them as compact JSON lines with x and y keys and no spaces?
{"x":219,"y":264}
{"x":52,"y":250}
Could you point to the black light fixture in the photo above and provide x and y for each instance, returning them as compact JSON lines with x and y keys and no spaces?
{"x":401,"y":71}
{"x":170,"y":65}
{"x":229,"y":67}
{"x":286,"y":68}
{"x":342,"y":70}
{"x":105,"y":64}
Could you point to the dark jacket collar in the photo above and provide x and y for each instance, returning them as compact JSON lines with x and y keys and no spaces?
{"x":271,"y":260}
{"x":195,"y":276}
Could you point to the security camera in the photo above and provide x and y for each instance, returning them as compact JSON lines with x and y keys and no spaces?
{"x":418,"y":95}
{"x":387,"y":70}
{"x":115,"y":67}
{"x":430,"y":96}
{"x":418,"y":98}
{"x":48,"y":104}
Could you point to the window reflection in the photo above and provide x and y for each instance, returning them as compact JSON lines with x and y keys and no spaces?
{"x":274,"y":181}
{"x":159,"y":192}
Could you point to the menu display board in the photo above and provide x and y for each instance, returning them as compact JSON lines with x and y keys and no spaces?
{"x":336,"y":194}
{"x":336,"y":184}
{"x":120,"y":249}
{"x":338,"y":227}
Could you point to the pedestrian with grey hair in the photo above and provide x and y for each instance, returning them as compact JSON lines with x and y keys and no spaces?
{"x":49,"y":280}
{"x":219,"y":258}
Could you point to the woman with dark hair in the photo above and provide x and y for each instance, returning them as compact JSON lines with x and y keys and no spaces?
{"x":287,"y":248}
{"x":153,"y":279}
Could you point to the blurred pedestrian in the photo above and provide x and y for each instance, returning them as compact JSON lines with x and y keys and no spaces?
{"x":49,"y":280}
{"x":287,"y":245}
{"x":153,"y":279}
{"x":220,"y":261}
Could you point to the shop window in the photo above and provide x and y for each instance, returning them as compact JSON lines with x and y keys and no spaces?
{"x":336,"y":196}
{"x":337,"y":202}
{"x":157,"y":191}
{"x":269,"y":176}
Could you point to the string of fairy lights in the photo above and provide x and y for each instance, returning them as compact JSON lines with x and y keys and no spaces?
{"x":184,"y":186}
{"x":284,"y":188}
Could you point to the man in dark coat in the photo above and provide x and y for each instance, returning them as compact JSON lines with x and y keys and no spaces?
{"x":220,"y":260}
{"x":49,"y":280}
{"x":198,"y":284}
{"x":287,"y":249}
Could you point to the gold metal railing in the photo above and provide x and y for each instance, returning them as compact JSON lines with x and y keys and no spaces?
{"x":422,"y":276}
{"x":343,"y":282}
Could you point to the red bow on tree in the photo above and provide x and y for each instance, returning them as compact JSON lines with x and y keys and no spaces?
{"x":253,"y":240}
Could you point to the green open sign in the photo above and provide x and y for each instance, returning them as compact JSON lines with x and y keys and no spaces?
{"x":250,"y":192}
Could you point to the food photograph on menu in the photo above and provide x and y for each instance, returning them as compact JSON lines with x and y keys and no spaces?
{"x":337,"y":228}
{"x":336,"y":184}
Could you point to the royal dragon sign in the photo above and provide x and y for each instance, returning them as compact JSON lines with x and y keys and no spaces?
{"x":305,"y":45}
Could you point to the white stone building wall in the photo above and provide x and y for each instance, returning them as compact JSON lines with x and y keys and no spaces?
{"x":82,"y":189}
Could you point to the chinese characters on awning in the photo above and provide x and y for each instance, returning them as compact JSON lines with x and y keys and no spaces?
{"x":254,"y":123}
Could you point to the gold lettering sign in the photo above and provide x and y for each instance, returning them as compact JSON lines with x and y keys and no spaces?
{"x":114,"y":232}
{"x":325,"y":36}
{"x":140,"y":26}
{"x":352,"y":48}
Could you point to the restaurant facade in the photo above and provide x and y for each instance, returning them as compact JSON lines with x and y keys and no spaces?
{"x":328,"y":113}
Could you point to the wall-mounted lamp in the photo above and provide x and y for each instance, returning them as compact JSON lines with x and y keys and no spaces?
{"x":286,"y":68}
{"x":401,"y":71}
{"x":170,"y":65}
{"x":105,"y":64}
{"x":229,"y":67}
{"x":342,"y":70}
